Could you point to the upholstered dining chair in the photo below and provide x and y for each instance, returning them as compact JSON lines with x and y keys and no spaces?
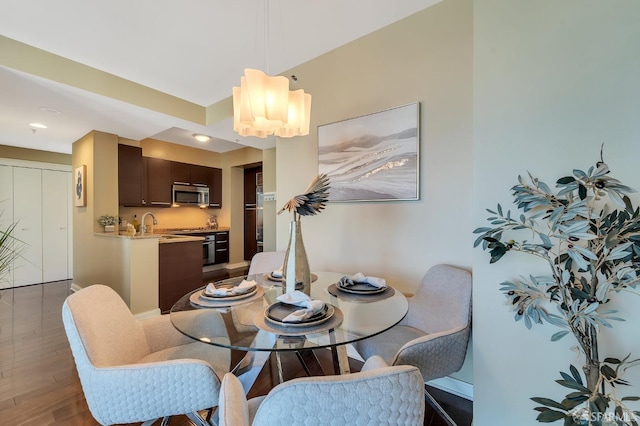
{"x":378,"y":394}
{"x":140,"y":370}
{"x":435,"y":333}
{"x":266,"y":261}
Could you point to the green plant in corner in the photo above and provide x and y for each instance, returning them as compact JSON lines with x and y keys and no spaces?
{"x":593,"y":253}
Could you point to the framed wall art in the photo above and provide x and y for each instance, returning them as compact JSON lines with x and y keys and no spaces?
{"x":80,"y":186}
{"x":374,"y":157}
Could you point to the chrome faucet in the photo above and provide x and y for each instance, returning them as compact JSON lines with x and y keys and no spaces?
{"x":144,"y":216}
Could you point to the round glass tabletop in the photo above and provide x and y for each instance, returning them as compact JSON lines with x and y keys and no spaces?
{"x":241,"y":323}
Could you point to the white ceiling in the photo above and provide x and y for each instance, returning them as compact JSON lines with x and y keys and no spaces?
{"x":195,"y":50}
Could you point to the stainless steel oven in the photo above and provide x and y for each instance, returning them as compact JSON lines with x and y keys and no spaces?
{"x":209,"y":250}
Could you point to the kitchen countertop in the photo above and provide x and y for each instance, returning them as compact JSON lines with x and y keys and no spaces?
{"x":163,"y":238}
{"x":181,"y":231}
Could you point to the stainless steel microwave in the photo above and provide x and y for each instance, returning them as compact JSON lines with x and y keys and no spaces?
{"x":190,"y":195}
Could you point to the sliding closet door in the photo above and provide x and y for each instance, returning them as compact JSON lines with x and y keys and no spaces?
{"x":55,"y":207}
{"x":27,"y":211}
{"x":6,"y":214}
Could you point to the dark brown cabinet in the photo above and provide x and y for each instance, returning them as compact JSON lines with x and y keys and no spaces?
{"x":215,"y":190}
{"x":181,"y":173}
{"x":159,"y":181}
{"x":180,"y":271}
{"x":130,"y":179}
{"x":201,"y":175}
{"x":222,"y":247}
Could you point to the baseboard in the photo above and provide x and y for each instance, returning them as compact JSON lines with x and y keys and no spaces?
{"x":147,"y":314}
{"x":75,"y":287}
{"x":453,"y":386}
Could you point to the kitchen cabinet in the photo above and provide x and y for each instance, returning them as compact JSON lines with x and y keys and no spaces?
{"x":180,"y":271}
{"x":215,"y":190}
{"x":222,"y":247}
{"x":159,"y":181}
{"x":201,"y":175}
{"x":130,"y":177}
{"x":181,"y":173}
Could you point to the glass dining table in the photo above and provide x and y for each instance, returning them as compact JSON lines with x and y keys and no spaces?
{"x":353,"y":316}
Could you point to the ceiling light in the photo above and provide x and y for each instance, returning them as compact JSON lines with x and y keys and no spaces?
{"x":38,"y":125}
{"x":201,"y":138}
{"x":264,"y":106}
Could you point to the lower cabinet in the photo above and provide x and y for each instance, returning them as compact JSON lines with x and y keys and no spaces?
{"x":180,"y":271}
{"x":222,"y":247}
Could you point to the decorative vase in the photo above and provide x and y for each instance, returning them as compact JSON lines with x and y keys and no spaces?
{"x":109,"y":228}
{"x":296,"y":265}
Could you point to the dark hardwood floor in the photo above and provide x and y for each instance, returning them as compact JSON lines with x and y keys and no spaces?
{"x":39,"y":384}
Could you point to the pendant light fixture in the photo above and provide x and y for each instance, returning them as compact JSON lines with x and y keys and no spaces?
{"x":264,"y":105}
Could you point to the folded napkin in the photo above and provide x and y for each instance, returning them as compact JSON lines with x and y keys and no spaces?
{"x":244,"y":287}
{"x":298,"y":298}
{"x":376,"y":282}
{"x":277,"y":273}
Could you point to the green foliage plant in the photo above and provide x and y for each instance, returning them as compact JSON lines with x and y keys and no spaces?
{"x":593,"y":254}
{"x":10,"y":249}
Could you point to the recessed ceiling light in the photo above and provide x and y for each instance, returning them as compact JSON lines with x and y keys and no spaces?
{"x":38,"y":125}
{"x":200,"y":137}
{"x":50,"y":110}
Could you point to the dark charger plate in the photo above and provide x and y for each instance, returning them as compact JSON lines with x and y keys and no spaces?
{"x":279,"y":311}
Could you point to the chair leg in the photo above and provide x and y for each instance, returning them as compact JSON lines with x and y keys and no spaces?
{"x":197,"y":420}
{"x":443,"y":414}
{"x":165,"y":421}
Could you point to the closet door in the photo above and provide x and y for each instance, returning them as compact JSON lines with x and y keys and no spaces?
{"x":6,"y":214}
{"x":55,"y":235}
{"x":27,"y":211}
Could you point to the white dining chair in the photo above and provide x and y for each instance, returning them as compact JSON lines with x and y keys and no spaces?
{"x":377,"y":395}
{"x":140,"y":370}
{"x":266,"y":261}
{"x":434,"y":334}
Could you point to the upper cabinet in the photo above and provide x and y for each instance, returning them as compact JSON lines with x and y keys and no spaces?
{"x":130,"y":176}
{"x":159,"y":181}
{"x":146,"y":181}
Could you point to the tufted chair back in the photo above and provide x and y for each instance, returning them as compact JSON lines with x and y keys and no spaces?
{"x":379,"y":394}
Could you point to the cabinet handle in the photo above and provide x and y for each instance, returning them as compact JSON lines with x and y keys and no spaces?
{"x":221,"y":249}
{"x":214,"y":205}
{"x":160,"y":203}
{"x":204,"y":185}
{"x":181,"y":183}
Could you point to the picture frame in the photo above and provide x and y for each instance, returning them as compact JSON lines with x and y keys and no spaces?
{"x":80,"y":186}
{"x":374,"y":157}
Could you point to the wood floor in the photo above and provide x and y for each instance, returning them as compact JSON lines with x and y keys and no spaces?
{"x":39,"y":384}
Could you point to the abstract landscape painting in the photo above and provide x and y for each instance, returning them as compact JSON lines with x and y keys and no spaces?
{"x":373,"y":157}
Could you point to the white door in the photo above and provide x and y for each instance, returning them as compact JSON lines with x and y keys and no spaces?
{"x":6,"y":216}
{"x":27,"y":212}
{"x":55,"y":207}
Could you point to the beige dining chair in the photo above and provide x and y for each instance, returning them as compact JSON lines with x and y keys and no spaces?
{"x":378,"y":394}
{"x":140,"y":370}
{"x":266,"y":261}
{"x":435,"y":332}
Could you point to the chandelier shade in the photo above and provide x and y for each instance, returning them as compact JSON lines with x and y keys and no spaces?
{"x":264,"y":106}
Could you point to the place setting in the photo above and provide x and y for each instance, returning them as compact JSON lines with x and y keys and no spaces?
{"x":276,"y":276}
{"x":361,"y":288}
{"x":226,"y":293}
{"x":296,"y":314}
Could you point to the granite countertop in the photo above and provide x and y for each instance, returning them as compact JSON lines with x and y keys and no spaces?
{"x":182,"y":231}
{"x":162,"y":238}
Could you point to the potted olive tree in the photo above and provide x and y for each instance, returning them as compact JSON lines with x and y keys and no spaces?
{"x":588,"y":233}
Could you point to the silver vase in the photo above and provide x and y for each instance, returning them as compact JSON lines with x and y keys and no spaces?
{"x":296,"y":272}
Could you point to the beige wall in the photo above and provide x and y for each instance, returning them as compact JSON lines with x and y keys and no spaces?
{"x":424,"y":58}
{"x":552,"y":82}
{"x":34,"y":155}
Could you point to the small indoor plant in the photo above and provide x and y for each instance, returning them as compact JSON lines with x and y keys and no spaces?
{"x":593,"y":253}
{"x":109,"y":222}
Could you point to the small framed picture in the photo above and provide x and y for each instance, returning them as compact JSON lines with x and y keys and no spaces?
{"x":80,"y":186}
